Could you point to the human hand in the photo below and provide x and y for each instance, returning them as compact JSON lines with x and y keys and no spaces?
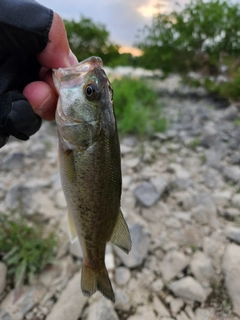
{"x":33,"y":41}
{"x":42,"y":94}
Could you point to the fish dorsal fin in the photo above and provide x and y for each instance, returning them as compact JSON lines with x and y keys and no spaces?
{"x":71,"y":228}
{"x":121,"y":236}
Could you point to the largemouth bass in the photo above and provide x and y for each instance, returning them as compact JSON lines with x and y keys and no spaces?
{"x":90,"y":168}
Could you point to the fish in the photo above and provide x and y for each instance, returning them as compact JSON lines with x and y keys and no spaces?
{"x":90,"y":168}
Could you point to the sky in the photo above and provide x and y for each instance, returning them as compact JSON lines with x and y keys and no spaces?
{"x":122,"y":18}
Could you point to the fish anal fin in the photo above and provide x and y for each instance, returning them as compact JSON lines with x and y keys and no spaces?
{"x":121,"y":236}
{"x":71,"y":228}
{"x":93,"y":280}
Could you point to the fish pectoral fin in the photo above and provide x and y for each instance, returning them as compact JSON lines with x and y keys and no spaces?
{"x":93,"y":280}
{"x":121,"y":236}
{"x":71,"y":228}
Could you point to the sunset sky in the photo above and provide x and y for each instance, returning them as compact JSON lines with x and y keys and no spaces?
{"x":122,"y":18}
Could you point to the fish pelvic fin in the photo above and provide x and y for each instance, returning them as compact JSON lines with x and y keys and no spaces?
{"x":121,"y":235}
{"x":71,"y":228}
{"x":93,"y":280}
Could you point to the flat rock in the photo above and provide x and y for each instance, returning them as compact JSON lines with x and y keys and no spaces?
{"x":233,"y":233}
{"x":101,"y":309}
{"x":147,"y":194}
{"x":202,"y":268}
{"x":140,"y":244}
{"x":231,"y":213}
{"x":15,"y":309}
{"x":173,"y":263}
{"x":3,"y":276}
{"x":122,"y":276}
{"x":156,"y":212}
{"x":205,"y":314}
{"x":188,"y":288}
{"x":205,"y":211}
{"x":122,"y":300}
{"x":160,"y":184}
{"x":179,"y":171}
{"x":70,"y":303}
{"x":160,"y":308}
{"x":231,"y":270}
{"x":176,"y":305}
{"x":222,"y":198}
{"x":231,"y":173}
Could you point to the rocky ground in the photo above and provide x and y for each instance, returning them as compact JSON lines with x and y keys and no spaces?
{"x":181,"y":199}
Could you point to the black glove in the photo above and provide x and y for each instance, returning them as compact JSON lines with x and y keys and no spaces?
{"x":24,"y":28}
{"x":16,"y":117}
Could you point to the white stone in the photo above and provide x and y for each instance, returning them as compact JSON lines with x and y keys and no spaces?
{"x":202,"y":268}
{"x":205,"y":314}
{"x":233,"y":233}
{"x":157,"y":285}
{"x":160,"y":184}
{"x":101,"y":309}
{"x":122,"y":276}
{"x":16,"y":309}
{"x":160,"y":308}
{"x":126,"y":181}
{"x":222,"y":198}
{"x":70,"y":303}
{"x":231,"y":270}
{"x":173,"y":263}
{"x":182,"y":316}
{"x":176,"y":305}
{"x":189,"y":312}
{"x":188,"y":288}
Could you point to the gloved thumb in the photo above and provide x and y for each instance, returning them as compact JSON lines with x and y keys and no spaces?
{"x":17,"y":117}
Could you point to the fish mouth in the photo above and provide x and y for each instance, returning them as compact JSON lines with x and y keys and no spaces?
{"x":79,"y":69}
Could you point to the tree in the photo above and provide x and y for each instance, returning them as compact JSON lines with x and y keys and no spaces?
{"x":200,"y":37}
{"x":87,"y":38}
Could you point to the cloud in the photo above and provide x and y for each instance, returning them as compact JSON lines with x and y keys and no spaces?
{"x":122,"y":18}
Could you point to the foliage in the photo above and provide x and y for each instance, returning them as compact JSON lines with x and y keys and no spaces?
{"x":87,"y":39}
{"x":198,"y":37}
{"x":136,"y":107}
{"x":25,"y":249}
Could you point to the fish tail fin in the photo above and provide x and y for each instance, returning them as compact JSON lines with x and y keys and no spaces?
{"x":93,"y":280}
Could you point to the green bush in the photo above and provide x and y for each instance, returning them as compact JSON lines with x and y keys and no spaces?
{"x":200,"y":36}
{"x":25,"y":249}
{"x":136,"y":107}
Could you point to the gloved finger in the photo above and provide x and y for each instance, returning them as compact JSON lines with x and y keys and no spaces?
{"x":17,"y":117}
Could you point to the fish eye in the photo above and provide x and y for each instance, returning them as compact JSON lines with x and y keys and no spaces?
{"x":91,"y":91}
